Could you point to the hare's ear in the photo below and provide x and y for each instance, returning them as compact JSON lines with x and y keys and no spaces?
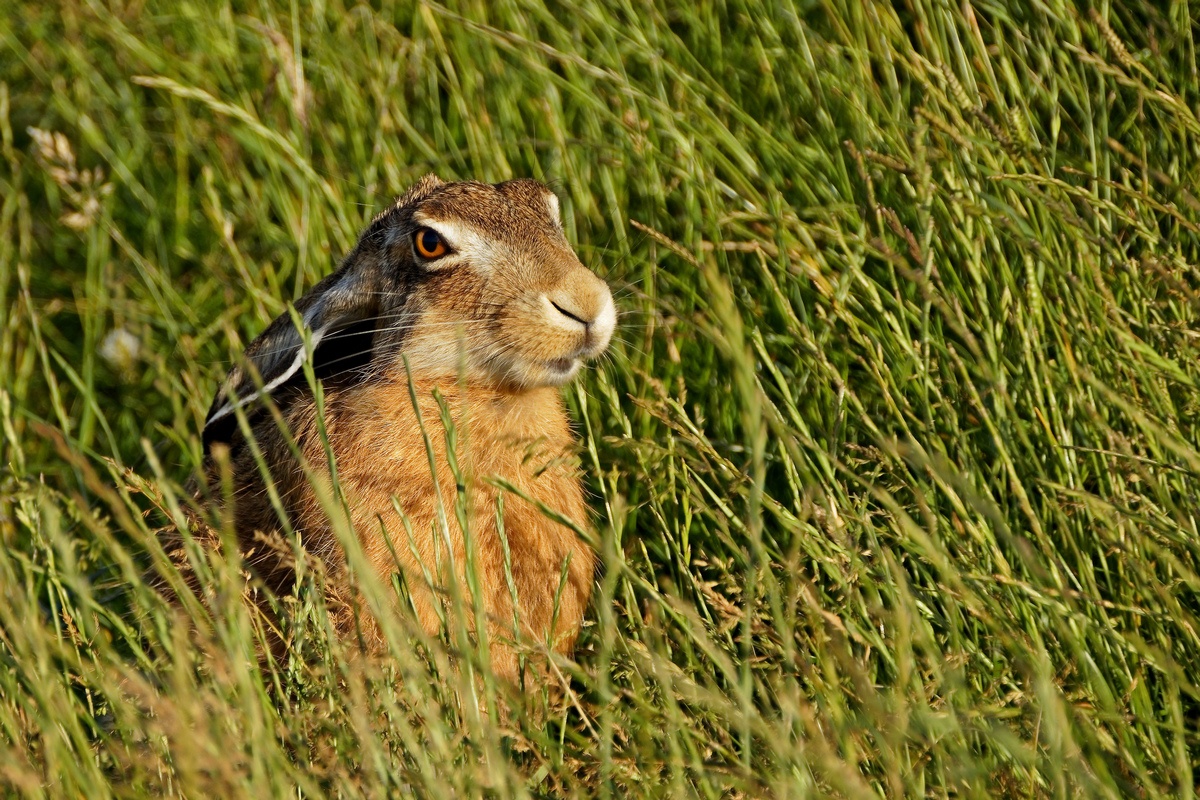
{"x":344,"y":303}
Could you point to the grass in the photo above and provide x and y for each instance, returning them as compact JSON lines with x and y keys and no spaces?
{"x":895,"y":464}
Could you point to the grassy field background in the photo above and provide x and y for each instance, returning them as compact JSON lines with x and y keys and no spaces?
{"x":895,"y":463}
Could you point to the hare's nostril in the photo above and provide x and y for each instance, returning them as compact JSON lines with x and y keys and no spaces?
{"x":568,"y":314}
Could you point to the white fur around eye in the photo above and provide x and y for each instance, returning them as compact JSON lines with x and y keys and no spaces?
{"x":464,"y":242}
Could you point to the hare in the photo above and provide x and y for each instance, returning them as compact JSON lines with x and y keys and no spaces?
{"x":468,"y":289}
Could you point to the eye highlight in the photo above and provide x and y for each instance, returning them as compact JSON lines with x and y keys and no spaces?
{"x":429,"y":244}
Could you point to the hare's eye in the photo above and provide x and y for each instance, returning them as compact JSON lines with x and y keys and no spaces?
{"x":429,"y":244}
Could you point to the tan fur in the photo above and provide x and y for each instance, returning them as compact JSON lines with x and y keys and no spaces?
{"x":490,"y":329}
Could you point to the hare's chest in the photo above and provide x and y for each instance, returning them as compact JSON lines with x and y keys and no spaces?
{"x":420,"y":466}
{"x":411,"y":481}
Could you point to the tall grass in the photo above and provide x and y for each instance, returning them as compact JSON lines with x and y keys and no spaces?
{"x":895,"y":465}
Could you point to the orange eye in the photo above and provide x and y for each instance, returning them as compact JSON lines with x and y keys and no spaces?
{"x":429,"y":244}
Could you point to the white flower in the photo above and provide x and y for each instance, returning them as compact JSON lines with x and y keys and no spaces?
{"x":120,"y":349}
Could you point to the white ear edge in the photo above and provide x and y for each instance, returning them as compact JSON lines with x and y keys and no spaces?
{"x":555,"y":210}
{"x":297,"y":363}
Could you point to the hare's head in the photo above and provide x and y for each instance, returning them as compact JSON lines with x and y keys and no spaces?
{"x":459,"y":278}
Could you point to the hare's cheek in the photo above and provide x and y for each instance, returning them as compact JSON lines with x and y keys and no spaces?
{"x":438,"y":342}
{"x":537,"y":340}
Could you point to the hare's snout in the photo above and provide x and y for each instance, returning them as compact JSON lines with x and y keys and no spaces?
{"x":565,"y":324}
{"x":581,"y":306}
{"x":591,"y":312}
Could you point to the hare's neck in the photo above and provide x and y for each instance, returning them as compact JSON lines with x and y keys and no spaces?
{"x":481,"y":416}
{"x":382,"y":451}
{"x":487,"y":414}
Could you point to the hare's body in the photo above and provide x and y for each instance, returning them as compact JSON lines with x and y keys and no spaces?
{"x":471,"y":292}
{"x":381,"y":456}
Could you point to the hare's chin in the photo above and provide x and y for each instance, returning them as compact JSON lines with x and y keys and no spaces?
{"x":561,"y":370}
{"x":554,"y":372}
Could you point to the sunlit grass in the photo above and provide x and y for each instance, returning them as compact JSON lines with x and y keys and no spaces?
{"x":894,"y":461}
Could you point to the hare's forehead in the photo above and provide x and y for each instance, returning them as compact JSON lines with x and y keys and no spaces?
{"x":503,"y":208}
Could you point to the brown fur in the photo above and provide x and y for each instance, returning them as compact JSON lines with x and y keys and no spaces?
{"x":489,"y":328}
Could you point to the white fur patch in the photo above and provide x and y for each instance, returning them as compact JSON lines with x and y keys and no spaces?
{"x":466,"y":242}
{"x":604,"y":324}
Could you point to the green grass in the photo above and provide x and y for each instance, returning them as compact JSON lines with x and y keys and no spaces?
{"x":895,"y":465}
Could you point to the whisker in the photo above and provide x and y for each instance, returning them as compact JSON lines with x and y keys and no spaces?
{"x":420,"y":324}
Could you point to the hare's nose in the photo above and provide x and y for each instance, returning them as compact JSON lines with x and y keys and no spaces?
{"x":591,"y":309}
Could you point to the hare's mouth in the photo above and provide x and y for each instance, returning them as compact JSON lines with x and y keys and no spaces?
{"x":561,"y":365}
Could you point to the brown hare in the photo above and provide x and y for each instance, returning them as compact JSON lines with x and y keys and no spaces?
{"x":475,"y":288}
